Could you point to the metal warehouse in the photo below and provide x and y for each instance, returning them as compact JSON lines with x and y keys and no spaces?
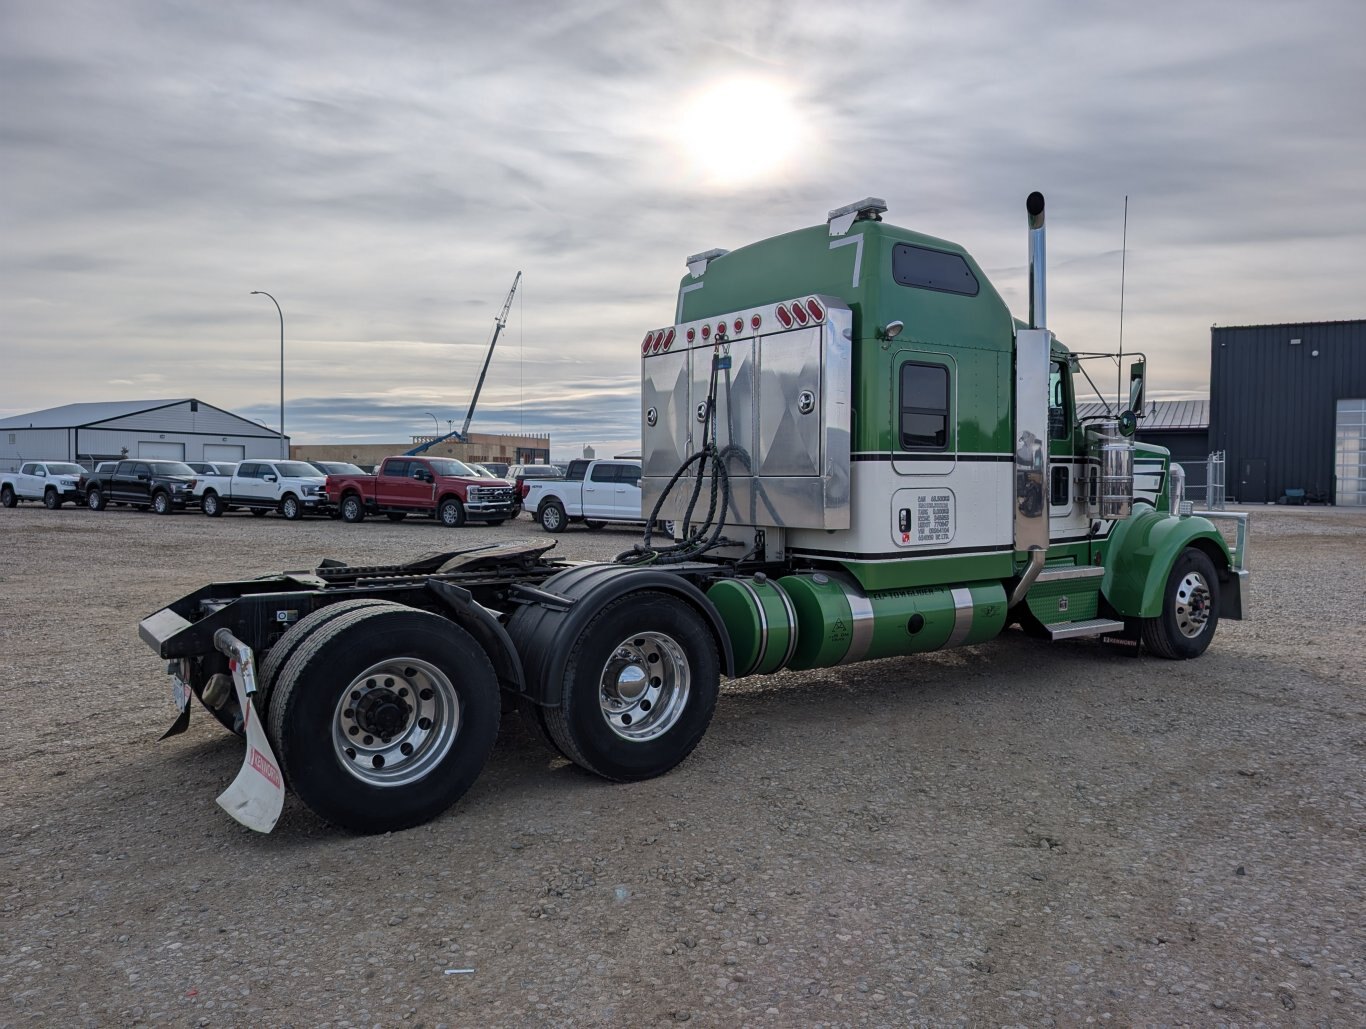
{"x":183,"y":430}
{"x":1288,"y":406}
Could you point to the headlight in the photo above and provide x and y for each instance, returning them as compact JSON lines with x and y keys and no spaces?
{"x":308,"y":491}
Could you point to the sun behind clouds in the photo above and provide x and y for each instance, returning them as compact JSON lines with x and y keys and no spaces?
{"x":739,"y":130}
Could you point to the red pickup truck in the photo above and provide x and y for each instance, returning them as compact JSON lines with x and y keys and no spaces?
{"x":437,"y":487}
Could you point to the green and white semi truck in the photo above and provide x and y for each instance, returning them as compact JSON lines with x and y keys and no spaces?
{"x":861,"y":454}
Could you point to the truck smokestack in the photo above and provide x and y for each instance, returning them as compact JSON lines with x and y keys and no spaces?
{"x":1038,"y":307}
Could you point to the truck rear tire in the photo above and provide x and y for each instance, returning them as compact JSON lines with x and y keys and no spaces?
{"x":7,"y":497}
{"x":211,"y":505}
{"x":384,"y":717}
{"x":278,"y":656}
{"x":451,"y":513}
{"x":639,"y":690}
{"x":51,"y":500}
{"x":396,"y":516}
{"x":1190,"y":609}
{"x":291,"y":508}
{"x":259,"y":512}
{"x":352,"y":510}
{"x":552,"y":516}
{"x":594,"y":524}
{"x":94,"y":499}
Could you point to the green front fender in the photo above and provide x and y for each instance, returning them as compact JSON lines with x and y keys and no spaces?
{"x":1141,"y":552}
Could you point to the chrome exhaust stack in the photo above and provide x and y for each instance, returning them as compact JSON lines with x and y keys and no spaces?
{"x":1033,"y":352}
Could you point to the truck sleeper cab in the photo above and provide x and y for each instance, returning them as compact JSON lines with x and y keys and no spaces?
{"x":865,"y":456}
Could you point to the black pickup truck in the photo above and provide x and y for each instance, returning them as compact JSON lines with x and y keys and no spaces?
{"x":164,"y":486}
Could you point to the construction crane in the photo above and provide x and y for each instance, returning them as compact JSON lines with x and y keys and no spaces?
{"x":461,"y":433}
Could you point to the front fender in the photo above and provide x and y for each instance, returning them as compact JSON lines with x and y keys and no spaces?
{"x":1142,"y":550}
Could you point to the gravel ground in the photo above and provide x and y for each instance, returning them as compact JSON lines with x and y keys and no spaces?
{"x":1014,"y":833}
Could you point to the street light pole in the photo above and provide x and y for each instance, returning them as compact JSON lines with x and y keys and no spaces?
{"x":435,"y":422}
{"x":263,"y":293}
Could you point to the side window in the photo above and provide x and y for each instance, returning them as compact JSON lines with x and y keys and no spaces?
{"x":629,"y":474}
{"x":417,"y":470}
{"x":924,"y":407}
{"x":1059,"y":424}
{"x":1058,"y":494}
{"x":938,"y":270}
{"x":40,"y":471}
{"x":142,"y":469}
{"x":26,"y":470}
{"x":396,"y":468}
{"x":604,"y":473}
{"x":247,"y":471}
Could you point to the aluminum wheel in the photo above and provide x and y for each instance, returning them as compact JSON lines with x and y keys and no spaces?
{"x":644,"y":686}
{"x":1192,"y":604}
{"x":396,"y":721}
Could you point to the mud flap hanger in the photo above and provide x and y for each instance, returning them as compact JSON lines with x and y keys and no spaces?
{"x":257,"y":796}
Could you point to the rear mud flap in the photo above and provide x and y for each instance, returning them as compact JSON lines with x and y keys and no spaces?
{"x":257,"y":796}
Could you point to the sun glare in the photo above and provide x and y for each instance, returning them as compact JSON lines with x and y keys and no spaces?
{"x":739,"y":131}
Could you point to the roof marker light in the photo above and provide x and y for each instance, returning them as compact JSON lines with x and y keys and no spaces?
{"x":755,"y":321}
{"x":658,"y":343}
{"x":817,"y":311}
{"x":692,"y":335}
{"x":706,"y":332}
{"x":668,"y":339}
{"x":799,"y":312}
{"x":721,"y":328}
{"x":739,"y":326}
{"x":784,"y":316}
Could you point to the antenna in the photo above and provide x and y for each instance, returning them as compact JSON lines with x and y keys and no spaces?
{"x":1123,"y":263}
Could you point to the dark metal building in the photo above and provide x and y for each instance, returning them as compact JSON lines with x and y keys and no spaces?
{"x":1288,"y":406}
{"x":1182,"y":426}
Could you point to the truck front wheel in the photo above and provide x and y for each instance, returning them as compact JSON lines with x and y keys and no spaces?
{"x":352,"y":510}
{"x":639,"y":688}
{"x":451,"y":513}
{"x":291,"y":508}
{"x":384,"y":717}
{"x":552,"y":516}
{"x":51,"y":500}
{"x":161,"y":503}
{"x":1190,"y":609}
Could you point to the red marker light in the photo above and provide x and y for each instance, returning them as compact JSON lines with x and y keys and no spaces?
{"x":817,"y":311}
{"x":645,"y":344}
{"x":692,"y":335}
{"x":669,"y":339}
{"x":799,"y":313}
{"x":706,"y":332}
{"x":720,"y":328}
{"x":755,"y":322}
{"x":739,"y":326}
{"x":784,"y":317}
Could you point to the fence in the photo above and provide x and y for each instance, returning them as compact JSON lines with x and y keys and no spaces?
{"x":1214,"y":481}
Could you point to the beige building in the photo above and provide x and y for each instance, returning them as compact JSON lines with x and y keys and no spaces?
{"x":482,"y":446}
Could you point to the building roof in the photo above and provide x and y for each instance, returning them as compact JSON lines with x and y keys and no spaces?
{"x":1162,"y":415}
{"x":70,"y":416}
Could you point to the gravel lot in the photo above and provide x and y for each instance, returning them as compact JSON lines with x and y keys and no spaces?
{"x":1015,"y":833}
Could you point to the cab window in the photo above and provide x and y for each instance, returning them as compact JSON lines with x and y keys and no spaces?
{"x":1059,"y":387}
{"x":604,"y":473}
{"x":924,"y":422}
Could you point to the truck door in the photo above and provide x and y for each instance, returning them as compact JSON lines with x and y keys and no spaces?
{"x":139,"y":484}
{"x":628,"y":493}
{"x":247,"y":484}
{"x":391,"y":482}
{"x":1069,"y":470}
{"x":28,"y":483}
{"x":600,"y":491}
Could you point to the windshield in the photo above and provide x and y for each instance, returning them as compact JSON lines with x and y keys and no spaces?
{"x":65,"y":469}
{"x":540,"y":471}
{"x":339,"y":468}
{"x":296,"y":469}
{"x":449,"y":466}
{"x":171,"y":468}
{"x":482,"y":472}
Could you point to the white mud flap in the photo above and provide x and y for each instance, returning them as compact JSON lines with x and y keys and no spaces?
{"x":257,"y":796}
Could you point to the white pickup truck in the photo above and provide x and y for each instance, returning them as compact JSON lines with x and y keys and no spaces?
{"x":592,"y":492}
{"x":52,"y":482}
{"x":294,"y":488}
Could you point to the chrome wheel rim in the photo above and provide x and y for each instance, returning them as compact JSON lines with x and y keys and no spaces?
{"x":210,"y":505}
{"x":1192,"y":605}
{"x":93,"y":500}
{"x":551,"y":518}
{"x":448,"y":514}
{"x":159,"y":504}
{"x":351,"y":508}
{"x":644,"y":686}
{"x":291,"y":508}
{"x":395,"y":722}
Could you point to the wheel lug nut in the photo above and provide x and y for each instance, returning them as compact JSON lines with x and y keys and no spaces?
{"x":368,"y":740}
{"x":354,"y":730}
{"x":426,"y":694}
{"x":407,"y":749}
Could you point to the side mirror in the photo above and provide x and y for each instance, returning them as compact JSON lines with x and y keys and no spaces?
{"x":1136,"y":372}
{"x":271,"y":478}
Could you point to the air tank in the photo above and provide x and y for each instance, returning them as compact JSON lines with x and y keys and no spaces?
{"x":819,"y":619}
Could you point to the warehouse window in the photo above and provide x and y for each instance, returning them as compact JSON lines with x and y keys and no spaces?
{"x":11,"y":437}
{"x":924,"y":406}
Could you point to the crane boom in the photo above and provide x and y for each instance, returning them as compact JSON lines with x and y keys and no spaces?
{"x":498,"y":323}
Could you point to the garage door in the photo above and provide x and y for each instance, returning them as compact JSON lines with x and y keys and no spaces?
{"x":224,"y":452}
{"x":165,"y":451}
{"x":1351,"y":453}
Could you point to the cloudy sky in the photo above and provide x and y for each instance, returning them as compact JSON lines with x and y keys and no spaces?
{"x":385,"y":168}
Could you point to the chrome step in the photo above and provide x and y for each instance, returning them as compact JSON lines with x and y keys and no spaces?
{"x":1090,"y":627}
{"x":1068,"y":572}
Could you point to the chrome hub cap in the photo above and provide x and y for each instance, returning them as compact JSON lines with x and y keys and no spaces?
{"x":644,"y":686}
{"x":395,"y":722}
{"x":1192,"y":605}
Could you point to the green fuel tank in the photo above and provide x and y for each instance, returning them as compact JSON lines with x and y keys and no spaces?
{"x":817,"y":620}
